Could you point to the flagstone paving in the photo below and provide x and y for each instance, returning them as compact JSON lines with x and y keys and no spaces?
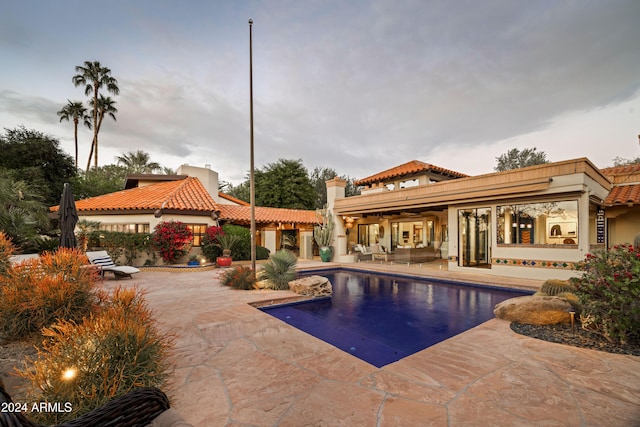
{"x":237,"y":366}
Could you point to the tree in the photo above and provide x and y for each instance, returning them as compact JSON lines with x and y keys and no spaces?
{"x":36,"y":159}
{"x":94,"y":77}
{"x":22,"y":212}
{"x":320,"y":176}
{"x":105,"y":106}
{"x":619,"y":161}
{"x":240,"y":191}
{"x":516,"y":159}
{"x":75,"y":111}
{"x":138,"y":162}
{"x":284,"y":184}
{"x":96,"y":182}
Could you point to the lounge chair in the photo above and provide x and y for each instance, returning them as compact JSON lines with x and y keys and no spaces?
{"x":104,"y":261}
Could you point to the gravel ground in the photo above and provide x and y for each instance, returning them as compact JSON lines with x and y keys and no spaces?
{"x":563,"y":334}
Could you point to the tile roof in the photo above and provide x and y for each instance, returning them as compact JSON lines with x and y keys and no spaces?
{"x":182,"y":195}
{"x":621,"y":170}
{"x":408,"y":168}
{"x":623,"y":195}
{"x":232,"y":199}
{"x":267,"y":215}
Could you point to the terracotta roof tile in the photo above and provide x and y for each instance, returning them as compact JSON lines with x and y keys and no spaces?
{"x":621,"y":170}
{"x":408,"y":168}
{"x":233,"y":199}
{"x":267,"y":215}
{"x":623,"y":195}
{"x":183,"y":195}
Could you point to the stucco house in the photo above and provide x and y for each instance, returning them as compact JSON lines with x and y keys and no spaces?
{"x":535,"y":222}
{"x":192,"y":197}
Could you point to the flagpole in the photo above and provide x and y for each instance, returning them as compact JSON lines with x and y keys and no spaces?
{"x":252,"y":184}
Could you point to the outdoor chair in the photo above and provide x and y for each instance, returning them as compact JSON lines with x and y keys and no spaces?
{"x":104,"y":261}
{"x":138,"y":408}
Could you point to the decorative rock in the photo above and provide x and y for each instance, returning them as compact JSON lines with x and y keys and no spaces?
{"x":534,"y":310}
{"x":316,"y":286}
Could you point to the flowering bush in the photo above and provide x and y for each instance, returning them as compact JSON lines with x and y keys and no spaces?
{"x":239,"y":278}
{"x":609,"y":291}
{"x":172,"y":239}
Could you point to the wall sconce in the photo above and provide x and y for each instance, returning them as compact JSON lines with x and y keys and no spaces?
{"x":515,"y":224}
{"x":348,"y":224}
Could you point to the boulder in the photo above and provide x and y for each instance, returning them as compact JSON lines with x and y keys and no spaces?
{"x":316,"y":286}
{"x":535,"y":310}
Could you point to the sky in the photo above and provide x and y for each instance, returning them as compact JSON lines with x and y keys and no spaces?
{"x":357,"y":86}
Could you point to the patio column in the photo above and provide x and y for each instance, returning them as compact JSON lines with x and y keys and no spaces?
{"x":336,"y":190}
{"x":306,"y":242}
{"x":269,"y":235}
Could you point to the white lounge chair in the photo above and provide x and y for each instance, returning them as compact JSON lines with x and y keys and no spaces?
{"x":104,"y":261}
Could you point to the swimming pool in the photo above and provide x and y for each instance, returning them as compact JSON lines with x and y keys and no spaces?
{"x":384,"y":318}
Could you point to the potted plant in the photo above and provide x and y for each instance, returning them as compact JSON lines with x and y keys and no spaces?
{"x":193,"y":260}
{"x":225,"y":242}
{"x":323,"y":234}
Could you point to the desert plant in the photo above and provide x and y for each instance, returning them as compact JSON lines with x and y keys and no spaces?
{"x":323,"y":233}
{"x":172,"y":239}
{"x":37,"y":292}
{"x":85,"y":227}
{"x":6,"y":250}
{"x":239,"y":278}
{"x":280,"y":269}
{"x":609,"y":292}
{"x":108,"y":354}
{"x":553,"y":287}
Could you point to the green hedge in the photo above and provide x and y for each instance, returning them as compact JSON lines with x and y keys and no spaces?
{"x":241,"y":251}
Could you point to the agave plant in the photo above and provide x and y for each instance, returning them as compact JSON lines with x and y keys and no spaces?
{"x":280,"y":269}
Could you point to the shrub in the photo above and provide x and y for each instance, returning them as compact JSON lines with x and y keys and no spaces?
{"x":241,"y":249}
{"x":6,"y":250}
{"x":609,"y":292}
{"x":36,"y":293}
{"x":172,"y":239}
{"x":239,"y":278}
{"x":554,"y":287}
{"x":105,"y":356}
{"x":280,"y":269}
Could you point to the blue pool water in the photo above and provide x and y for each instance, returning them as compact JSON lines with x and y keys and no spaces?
{"x":382,"y":319}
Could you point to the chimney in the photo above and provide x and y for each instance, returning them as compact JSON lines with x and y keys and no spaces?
{"x":208,"y":178}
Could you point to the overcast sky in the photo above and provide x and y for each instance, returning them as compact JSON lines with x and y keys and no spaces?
{"x":358,"y":86}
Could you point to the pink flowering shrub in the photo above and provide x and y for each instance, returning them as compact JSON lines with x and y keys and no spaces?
{"x":172,"y":239}
{"x":609,"y":292}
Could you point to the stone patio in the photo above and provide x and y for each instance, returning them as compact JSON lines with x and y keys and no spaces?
{"x":237,"y":366}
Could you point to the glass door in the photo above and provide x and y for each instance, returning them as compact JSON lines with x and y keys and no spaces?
{"x":474,"y":237}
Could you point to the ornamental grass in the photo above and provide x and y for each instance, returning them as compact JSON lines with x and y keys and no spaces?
{"x":37,"y":292}
{"x":84,"y":364}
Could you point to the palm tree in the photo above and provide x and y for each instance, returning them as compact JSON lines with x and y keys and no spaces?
{"x":105,"y":106}
{"x":94,"y":76}
{"x":138,"y":162}
{"x":75,"y":111}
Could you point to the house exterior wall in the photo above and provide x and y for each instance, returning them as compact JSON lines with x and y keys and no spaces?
{"x":623,"y":224}
{"x":573,"y":180}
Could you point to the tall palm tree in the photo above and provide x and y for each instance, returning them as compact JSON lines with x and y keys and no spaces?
{"x":94,"y":77}
{"x":75,"y":111}
{"x":105,"y":107}
{"x":138,"y":162}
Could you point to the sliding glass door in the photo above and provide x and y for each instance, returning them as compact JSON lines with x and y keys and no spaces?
{"x":474,"y":237}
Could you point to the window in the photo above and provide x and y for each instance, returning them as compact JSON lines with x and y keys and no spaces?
{"x":198,"y":231}
{"x":551,"y":223}
{"x":126,"y":228}
{"x":368,"y":234}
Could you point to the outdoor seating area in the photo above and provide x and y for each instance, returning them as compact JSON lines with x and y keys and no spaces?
{"x":400,"y":255}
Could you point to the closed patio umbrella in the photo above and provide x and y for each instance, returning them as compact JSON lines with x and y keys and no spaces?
{"x":68,"y":218}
